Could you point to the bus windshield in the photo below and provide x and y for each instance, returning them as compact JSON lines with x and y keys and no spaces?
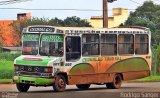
{"x":30,"y":44}
{"x":51,"y":45}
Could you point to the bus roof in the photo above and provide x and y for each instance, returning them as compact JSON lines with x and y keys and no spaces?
{"x":53,"y":29}
{"x":91,"y":28}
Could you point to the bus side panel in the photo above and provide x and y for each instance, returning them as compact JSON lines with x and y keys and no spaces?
{"x":86,"y":73}
{"x":82,"y":73}
{"x":90,"y":79}
{"x":131,"y":68}
{"x":135,"y":75}
{"x":82,"y":79}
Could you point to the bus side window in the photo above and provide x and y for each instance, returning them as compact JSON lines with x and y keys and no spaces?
{"x":125,"y":44}
{"x":109,"y":44}
{"x":73,"y":48}
{"x":141,"y":44}
{"x":90,"y":44}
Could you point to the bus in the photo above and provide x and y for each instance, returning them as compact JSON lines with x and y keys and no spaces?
{"x":81,"y":56}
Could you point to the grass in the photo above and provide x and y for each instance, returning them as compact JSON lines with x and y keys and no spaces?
{"x":6,"y":80}
{"x":147,"y":79}
{"x":6,"y":65}
{"x":6,"y":69}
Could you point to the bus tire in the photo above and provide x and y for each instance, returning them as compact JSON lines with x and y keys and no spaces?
{"x":116,"y":84}
{"x":59,"y":84}
{"x":83,"y":86}
{"x":22,"y":87}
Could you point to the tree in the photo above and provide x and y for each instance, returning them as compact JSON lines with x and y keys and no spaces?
{"x":56,"y":22}
{"x":147,"y":15}
{"x":68,"y":22}
{"x":1,"y":38}
{"x":75,"y":22}
{"x":1,"y":43}
{"x":6,"y":36}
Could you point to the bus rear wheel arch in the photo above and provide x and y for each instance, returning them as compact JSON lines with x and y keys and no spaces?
{"x":117,"y":81}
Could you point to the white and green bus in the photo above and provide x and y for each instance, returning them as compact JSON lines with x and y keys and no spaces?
{"x":60,"y":56}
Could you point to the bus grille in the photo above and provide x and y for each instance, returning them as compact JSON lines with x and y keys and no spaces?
{"x":31,"y":70}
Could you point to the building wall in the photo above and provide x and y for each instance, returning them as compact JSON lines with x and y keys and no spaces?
{"x":120,"y":15}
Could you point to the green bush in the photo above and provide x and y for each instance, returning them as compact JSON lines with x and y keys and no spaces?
{"x":9,"y":56}
{"x":6,"y":74}
{"x":156,"y":60}
{"x":6,"y":65}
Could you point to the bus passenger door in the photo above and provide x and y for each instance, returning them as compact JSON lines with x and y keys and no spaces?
{"x":73,"y":48}
{"x":73,"y":55}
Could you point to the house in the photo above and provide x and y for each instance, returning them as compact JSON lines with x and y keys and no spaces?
{"x":120,"y":15}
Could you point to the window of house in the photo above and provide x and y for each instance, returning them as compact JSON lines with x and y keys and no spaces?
{"x":108,"y":44}
{"x":141,"y":44}
{"x":90,"y":44}
{"x":126,"y":44}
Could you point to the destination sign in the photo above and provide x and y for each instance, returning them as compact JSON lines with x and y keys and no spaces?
{"x":30,"y":37}
{"x":41,"y":29}
{"x":52,"y":38}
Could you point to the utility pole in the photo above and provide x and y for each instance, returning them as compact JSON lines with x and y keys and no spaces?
{"x":105,"y":12}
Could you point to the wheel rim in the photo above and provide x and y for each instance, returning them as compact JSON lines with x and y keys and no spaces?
{"x":117,"y":81}
{"x":61,"y":83}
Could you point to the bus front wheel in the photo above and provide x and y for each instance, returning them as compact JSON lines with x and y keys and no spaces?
{"x":59,"y":84}
{"x":116,"y":84}
{"x":22,"y":87}
{"x":83,"y":86}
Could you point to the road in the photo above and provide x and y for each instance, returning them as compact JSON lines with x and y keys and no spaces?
{"x":126,"y":87}
{"x":91,"y":92}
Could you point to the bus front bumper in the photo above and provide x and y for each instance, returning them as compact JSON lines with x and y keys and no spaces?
{"x":37,"y":81}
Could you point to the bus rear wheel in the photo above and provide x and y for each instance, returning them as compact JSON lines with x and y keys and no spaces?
{"x":59,"y":84}
{"x":116,"y":84}
{"x":83,"y":86}
{"x":22,"y":87}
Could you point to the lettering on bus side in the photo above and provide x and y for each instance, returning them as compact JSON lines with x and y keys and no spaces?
{"x":77,"y":32}
{"x":84,"y":60}
{"x":56,"y":64}
{"x":68,"y":64}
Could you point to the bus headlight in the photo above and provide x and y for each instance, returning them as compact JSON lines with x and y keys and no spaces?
{"x":48,"y":70}
{"x":16,"y":67}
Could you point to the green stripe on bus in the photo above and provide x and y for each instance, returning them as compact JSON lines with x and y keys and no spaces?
{"x":131,"y":64}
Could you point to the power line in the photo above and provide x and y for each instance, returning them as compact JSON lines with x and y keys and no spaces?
{"x":52,"y":9}
{"x":55,"y":9}
{"x":12,"y":1}
{"x":135,"y":2}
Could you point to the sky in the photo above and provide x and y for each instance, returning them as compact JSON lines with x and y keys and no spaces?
{"x":10,"y":14}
